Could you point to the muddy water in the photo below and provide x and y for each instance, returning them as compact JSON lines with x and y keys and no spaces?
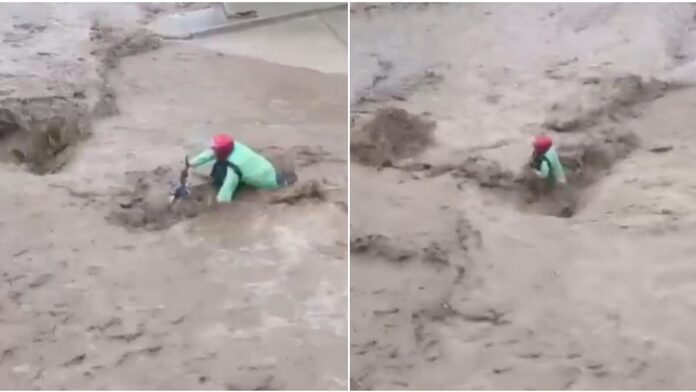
{"x":252,"y":295}
{"x":391,"y":135}
{"x":457,"y":282}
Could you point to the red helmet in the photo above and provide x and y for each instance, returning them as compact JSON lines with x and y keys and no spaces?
{"x":222,"y":146}
{"x":541,"y":143}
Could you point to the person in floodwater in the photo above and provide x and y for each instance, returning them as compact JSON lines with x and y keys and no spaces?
{"x":236,"y":164}
{"x":545,"y":161}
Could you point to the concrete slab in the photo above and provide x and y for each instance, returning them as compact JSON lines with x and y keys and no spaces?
{"x":337,"y":23}
{"x":220,"y":18}
{"x":305,"y":42}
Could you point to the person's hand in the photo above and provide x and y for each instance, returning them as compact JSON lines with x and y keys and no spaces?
{"x":535,"y":162}
{"x":184,"y":172}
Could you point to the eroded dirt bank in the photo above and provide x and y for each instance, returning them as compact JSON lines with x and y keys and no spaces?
{"x":102,"y":288}
{"x":462,"y":275}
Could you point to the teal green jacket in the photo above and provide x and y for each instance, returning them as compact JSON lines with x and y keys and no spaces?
{"x":554,"y":173}
{"x":256,"y":170}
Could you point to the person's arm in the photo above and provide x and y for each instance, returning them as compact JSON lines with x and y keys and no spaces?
{"x":228,"y":187}
{"x":559,"y":171}
{"x":204,"y":157}
{"x":544,"y":169}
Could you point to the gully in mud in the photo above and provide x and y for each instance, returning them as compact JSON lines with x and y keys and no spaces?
{"x":236,"y":164}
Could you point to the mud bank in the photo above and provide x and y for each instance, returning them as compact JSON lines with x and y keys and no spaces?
{"x":466,"y":273}
{"x":391,"y":135}
{"x":41,"y":132}
{"x":41,"y":129}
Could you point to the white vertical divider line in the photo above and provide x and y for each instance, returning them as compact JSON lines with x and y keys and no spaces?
{"x":349,"y":197}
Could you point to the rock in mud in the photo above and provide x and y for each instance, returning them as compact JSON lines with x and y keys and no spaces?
{"x":392,"y":134}
{"x":39,"y":132}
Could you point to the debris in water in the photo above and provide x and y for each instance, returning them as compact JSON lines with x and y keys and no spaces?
{"x":661,"y":149}
{"x":311,"y":190}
